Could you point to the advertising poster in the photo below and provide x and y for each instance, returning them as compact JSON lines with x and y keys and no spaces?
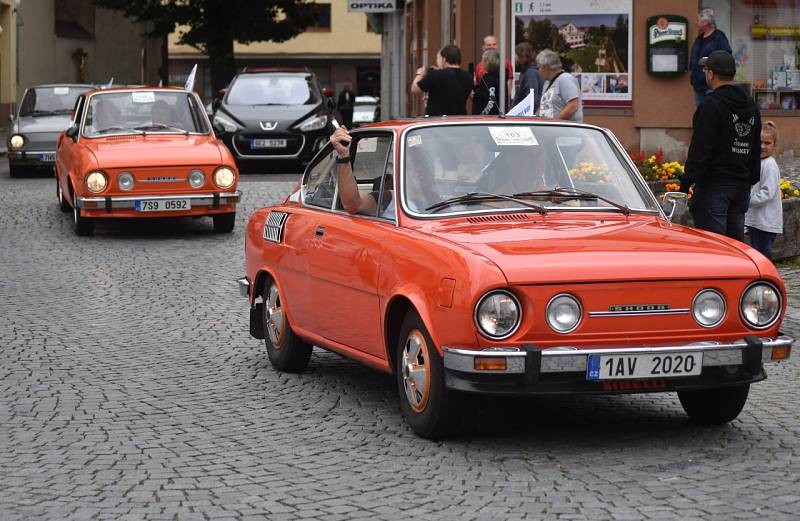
{"x":593,"y":38}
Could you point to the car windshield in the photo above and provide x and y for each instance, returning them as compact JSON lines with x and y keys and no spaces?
{"x":272,"y":89}
{"x":47,"y":101}
{"x":459,"y":168}
{"x":143,"y":111}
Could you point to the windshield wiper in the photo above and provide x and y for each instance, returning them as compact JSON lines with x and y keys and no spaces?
{"x":40,"y":113}
{"x":115,"y":129}
{"x":161,"y":126}
{"x":574,"y":193}
{"x":483,"y":196}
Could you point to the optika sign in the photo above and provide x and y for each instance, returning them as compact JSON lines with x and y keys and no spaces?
{"x":373,"y":6}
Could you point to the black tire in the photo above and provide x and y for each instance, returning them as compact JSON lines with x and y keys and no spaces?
{"x":84,"y":226}
{"x":285,"y":349}
{"x":15,"y":170}
{"x":433,"y":412}
{"x":714,"y":406}
{"x":224,"y":222}
{"x":63,"y":204}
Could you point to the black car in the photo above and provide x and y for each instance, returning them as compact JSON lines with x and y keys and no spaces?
{"x":274,"y":118}
{"x":44,"y":113}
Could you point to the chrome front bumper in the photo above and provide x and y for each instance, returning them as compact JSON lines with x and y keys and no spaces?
{"x":571,"y":360}
{"x":244,"y":287}
{"x":214,"y":200}
{"x":31,"y":156}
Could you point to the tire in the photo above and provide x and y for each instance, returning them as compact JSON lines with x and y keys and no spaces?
{"x":285,"y":349}
{"x":224,"y":222}
{"x":84,"y":226}
{"x":431,"y":410}
{"x":714,"y":406}
{"x":15,"y":170}
{"x":63,"y":204}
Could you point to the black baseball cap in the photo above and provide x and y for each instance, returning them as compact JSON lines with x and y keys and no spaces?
{"x":720,"y":62}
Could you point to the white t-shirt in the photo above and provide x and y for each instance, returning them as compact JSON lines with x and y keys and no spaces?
{"x":564,"y":89}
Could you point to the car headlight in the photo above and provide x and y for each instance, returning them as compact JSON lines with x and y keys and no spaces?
{"x":197,"y":178}
{"x":315,"y":122}
{"x":708,"y":308}
{"x":227,"y":124}
{"x":16,"y":141}
{"x":96,"y":182}
{"x":497,"y":314}
{"x":564,"y":313}
{"x":761,"y":305}
{"x":125,"y":181}
{"x":224,"y":177}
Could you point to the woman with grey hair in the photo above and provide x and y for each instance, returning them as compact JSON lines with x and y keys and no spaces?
{"x":709,"y":39}
{"x":487,"y":92}
{"x":561,"y":94}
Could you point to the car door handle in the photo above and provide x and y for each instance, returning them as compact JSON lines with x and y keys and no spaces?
{"x":320,"y":231}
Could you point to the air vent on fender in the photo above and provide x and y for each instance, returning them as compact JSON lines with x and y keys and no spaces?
{"x":273,"y":228}
{"x":500,"y":217}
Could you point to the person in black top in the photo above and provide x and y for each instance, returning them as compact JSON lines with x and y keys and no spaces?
{"x":529,"y":77}
{"x":448,"y":86}
{"x":725,"y":153}
{"x":487,"y":92}
{"x":345,"y":105}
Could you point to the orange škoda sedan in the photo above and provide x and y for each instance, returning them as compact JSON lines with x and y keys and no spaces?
{"x":144,"y":152}
{"x":508,"y":256}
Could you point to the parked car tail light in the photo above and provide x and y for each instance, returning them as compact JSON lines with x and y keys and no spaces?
{"x":125,"y":181}
{"x":224,"y":177}
{"x":564,"y":313}
{"x":96,"y":182}
{"x":708,"y":308}
{"x":197,"y":178}
{"x":760,"y":305}
{"x":498,"y":315}
{"x":16,"y":141}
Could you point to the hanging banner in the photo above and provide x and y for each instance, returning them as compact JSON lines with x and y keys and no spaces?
{"x":593,"y":38}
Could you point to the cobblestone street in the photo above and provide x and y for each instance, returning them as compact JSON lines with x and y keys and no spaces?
{"x":130,"y":389}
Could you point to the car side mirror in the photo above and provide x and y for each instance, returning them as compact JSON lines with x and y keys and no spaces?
{"x":72,"y":132}
{"x":674,"y":203}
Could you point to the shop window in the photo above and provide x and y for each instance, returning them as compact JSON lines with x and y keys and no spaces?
{"x":74,"y":19}
{"x":767,"y":52}
{"x":324,"y":21}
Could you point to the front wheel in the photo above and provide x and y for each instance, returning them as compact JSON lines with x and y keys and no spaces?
{"x":63,"y":205}
{"x":15,"y":170}
{"x":714,"y":406}
{"x":286,"y":351}
{"x":223,"y":222}
{"x":83,"y":225}
{"x":428,"y":406}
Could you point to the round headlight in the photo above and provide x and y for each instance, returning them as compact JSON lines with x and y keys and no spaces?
{"x":197,"y":178}
{"x":708,"y":308}
{"x":563,"y":313}
{"x":497,"y":314}
{"x":16,"y":141}
{"x":761,"y":305}
{"x":96,"y":182}
{"x":125,"y":181}
{"x":224,"y":177}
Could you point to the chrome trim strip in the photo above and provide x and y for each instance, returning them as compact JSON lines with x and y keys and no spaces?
{"x":244,"y":287}
{"x":130,"y":201}
{"x":282,"y":156}
{"x":565,"y":361}
{"x":677,"y":311}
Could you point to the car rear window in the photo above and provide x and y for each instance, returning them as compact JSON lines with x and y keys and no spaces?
{"x":273,"y":89}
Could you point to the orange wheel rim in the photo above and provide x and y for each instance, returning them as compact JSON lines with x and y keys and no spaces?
{"x":416,"y":371}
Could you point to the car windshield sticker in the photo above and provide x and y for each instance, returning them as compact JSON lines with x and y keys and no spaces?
{"x":369,"y":144}
{"x":60,"y":91}
{"x":519,"y":136}
{"x":143,"y":97}
{"x":413,"y":141}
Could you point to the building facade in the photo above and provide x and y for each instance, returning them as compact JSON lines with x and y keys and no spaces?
{"x":341,"y":48}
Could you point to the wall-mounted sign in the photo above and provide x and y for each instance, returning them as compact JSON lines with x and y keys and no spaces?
{"x":371,"y":6}
{"x":667,"y":45}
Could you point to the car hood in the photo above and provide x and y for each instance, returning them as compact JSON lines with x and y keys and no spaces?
{"x":34,"y":124}
{"x":575,"y":249}
{"x":153,"y":150}
{"x":284,"y":115}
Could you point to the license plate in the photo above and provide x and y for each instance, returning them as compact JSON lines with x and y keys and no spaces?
{"x":621,"y":367}
{"x":267,"y":143}
{"x":48,"y":158}
{"x":163,"y":205}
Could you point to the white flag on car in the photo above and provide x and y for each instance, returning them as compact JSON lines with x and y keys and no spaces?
{"x":190,"y":80}
{"x":524,"y":107}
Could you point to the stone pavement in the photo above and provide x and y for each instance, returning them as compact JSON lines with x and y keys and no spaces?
{"x":130,"y":389}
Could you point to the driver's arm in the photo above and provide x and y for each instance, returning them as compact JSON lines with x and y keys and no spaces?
{"x":352,"y":200}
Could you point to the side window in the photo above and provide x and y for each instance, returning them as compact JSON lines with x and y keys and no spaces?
{"x":370,"y":169}
{"x":77,"y":112}
{"x":320,"y":183}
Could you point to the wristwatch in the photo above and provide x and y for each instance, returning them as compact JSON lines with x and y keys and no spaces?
{"x":342,"y":160}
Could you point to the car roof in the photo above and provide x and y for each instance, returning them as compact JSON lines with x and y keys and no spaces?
{"x":48,"y":85}
{"x":135,"y":89}
{"x":263,"y":70}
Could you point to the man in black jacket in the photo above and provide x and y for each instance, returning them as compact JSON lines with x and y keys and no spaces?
{"x":724,"y":155}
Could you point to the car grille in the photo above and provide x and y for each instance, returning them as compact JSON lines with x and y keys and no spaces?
{"x":294,"y":143}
